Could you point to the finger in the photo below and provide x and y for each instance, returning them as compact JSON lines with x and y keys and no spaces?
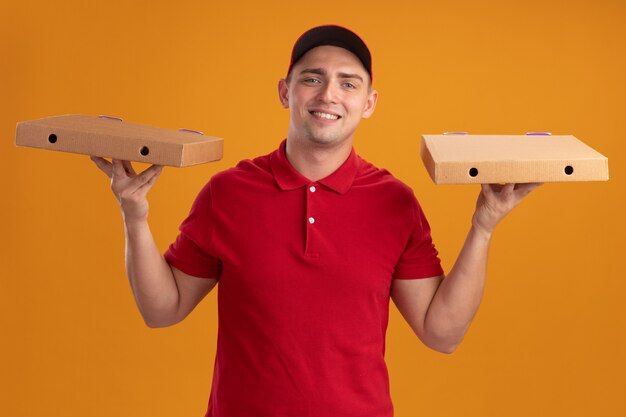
{"x":148,"y":184}
{"x":104,"y":165}
{"x":488,"y":190}
{"x":507,"y":190}
{"x":128,"y":167}
{"x":523,"y":189}
{"x":146,"y":175}
{"x":118,"y":169}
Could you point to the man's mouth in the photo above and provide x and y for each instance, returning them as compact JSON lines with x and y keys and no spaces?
{"x":327,"y":116}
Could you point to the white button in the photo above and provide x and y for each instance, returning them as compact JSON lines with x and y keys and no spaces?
{"x":312,"y":188}
{"x":311,"y":220}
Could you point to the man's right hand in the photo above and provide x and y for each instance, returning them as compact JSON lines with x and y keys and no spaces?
{"x":164,"y":294}
{"x":129,"y":188}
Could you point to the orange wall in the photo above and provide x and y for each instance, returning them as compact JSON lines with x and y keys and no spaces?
{"x":550,"y":336}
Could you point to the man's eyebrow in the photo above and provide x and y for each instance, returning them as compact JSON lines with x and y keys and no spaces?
{"x":318,"y":71}
{"x":355,"y":76}
{"x":321,"y":71}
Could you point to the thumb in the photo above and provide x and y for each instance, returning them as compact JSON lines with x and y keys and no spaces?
{"x":148,"y":178}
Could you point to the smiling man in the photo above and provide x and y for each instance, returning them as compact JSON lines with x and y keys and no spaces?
{"x":308,"y":243}
{"x":328,"y":91}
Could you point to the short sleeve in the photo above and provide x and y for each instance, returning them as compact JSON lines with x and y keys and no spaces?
{"x":420,"y":259}
{"x":191,"y":251}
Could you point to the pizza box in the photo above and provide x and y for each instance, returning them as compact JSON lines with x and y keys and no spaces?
{"x":112,"y":137}
{"x":488,"y":159}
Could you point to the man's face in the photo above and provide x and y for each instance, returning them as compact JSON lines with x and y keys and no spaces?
{"x":328,"y":93}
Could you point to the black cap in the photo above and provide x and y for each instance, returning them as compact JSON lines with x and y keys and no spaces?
{"x":335,"y":36}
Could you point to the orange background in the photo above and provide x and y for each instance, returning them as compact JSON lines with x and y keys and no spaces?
{"x":549,"y":338}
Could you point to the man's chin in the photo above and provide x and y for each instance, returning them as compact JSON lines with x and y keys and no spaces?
{"x":324,"y":140}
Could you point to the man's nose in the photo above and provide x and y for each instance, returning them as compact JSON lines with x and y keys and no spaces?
{"x":328,"y":92}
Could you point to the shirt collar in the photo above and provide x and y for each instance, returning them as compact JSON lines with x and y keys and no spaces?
{"x":288,"y":178}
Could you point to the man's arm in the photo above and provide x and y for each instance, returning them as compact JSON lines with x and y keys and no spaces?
{"x":164,"y":294}
{"x":440,"y":309}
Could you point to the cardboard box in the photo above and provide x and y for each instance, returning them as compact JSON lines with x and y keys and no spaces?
{"x":111,"y":137}
{"x":467,"y":159}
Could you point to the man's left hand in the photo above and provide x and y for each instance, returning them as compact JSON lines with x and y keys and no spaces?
{"x":496,"y":201}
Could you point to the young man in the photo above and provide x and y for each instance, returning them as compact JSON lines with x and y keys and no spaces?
{"x":308,"y":244}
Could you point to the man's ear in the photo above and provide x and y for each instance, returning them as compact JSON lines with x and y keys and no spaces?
{"x":283,"y":93}
{"x":370,"y":105}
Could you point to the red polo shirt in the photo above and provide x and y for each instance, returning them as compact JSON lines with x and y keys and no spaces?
{"x":304,"y":269}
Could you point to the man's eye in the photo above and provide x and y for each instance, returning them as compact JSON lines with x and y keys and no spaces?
{"x":312,"y":80}
{"x":349,"y":85}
